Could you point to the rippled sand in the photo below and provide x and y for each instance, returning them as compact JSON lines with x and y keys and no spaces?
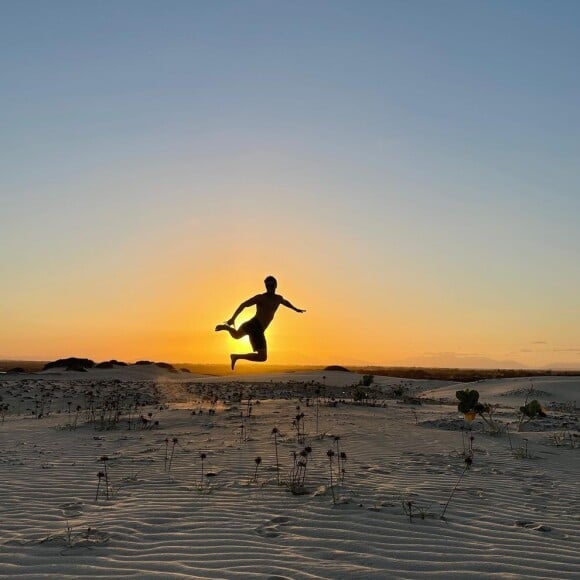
{"x":513,"y":515}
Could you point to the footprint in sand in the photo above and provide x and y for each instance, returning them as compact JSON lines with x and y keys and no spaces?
{"x":533,"y":526}
{"x":378,"y":470}
{"x":271,"y":529}
{"x":73,"y":509}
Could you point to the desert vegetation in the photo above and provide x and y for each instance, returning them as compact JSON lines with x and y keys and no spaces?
{"x":301,"y":444}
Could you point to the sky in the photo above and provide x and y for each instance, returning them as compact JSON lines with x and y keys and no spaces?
{"x":407,"y":169}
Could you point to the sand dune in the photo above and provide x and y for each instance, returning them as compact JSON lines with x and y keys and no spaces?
{"x":558,"y":389}
{"x":512,"y":515}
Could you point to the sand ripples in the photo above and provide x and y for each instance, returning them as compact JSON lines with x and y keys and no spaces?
{"x":509,"y":518}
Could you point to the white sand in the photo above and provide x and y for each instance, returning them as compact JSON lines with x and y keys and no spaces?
{"x":511,"y":516}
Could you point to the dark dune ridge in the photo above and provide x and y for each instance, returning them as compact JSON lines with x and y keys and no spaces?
{"x":83,"y":364}
{"x":426,"y":373}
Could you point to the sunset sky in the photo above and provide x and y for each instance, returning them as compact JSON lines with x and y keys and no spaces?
{"x":408,"y":170}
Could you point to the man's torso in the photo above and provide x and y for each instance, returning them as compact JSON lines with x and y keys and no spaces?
{"x":266,"y":306}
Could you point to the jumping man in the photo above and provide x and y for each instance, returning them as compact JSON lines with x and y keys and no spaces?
{"x":266,"y":306}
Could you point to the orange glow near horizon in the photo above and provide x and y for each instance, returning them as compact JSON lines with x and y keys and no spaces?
{"x":169,"y":313}
{"x":163,"y":290}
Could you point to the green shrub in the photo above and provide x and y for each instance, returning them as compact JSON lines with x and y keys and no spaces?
{"x":532,"y":410}
{"x":468,"y":401}
{"x":367,"y":380}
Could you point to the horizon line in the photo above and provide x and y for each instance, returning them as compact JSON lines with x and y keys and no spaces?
{"x":315,"y":365}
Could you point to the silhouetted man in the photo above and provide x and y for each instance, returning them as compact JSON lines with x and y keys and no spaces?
{"x":266,"y":305}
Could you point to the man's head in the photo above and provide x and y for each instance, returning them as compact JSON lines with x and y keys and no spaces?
{"x":270,"y":283}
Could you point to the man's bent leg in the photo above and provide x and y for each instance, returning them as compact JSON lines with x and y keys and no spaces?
{"x":259,"y":356}
{"x":233,"y":332}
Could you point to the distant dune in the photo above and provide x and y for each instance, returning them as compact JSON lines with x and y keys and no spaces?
{"x":459,"y":361}
{"x":459,"y":374}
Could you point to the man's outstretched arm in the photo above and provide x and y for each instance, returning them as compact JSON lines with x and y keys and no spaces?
{"x":288,"y":304}
{"x":249,"y":302}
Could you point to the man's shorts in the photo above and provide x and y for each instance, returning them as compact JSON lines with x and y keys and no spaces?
{"x":255,"y":332}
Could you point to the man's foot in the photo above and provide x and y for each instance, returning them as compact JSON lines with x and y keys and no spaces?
{"x":234,"y":360}
{"x":221,"y":327}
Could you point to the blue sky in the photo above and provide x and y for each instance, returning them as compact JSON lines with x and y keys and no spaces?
{"x":432,"y":141}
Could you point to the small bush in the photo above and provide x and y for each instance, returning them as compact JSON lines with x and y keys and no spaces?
{"x":468,"y":400}
{"x":367,"y":380}
{"x":532,"y":410}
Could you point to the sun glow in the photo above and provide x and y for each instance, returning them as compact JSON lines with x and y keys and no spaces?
{"x":232,"y":345}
